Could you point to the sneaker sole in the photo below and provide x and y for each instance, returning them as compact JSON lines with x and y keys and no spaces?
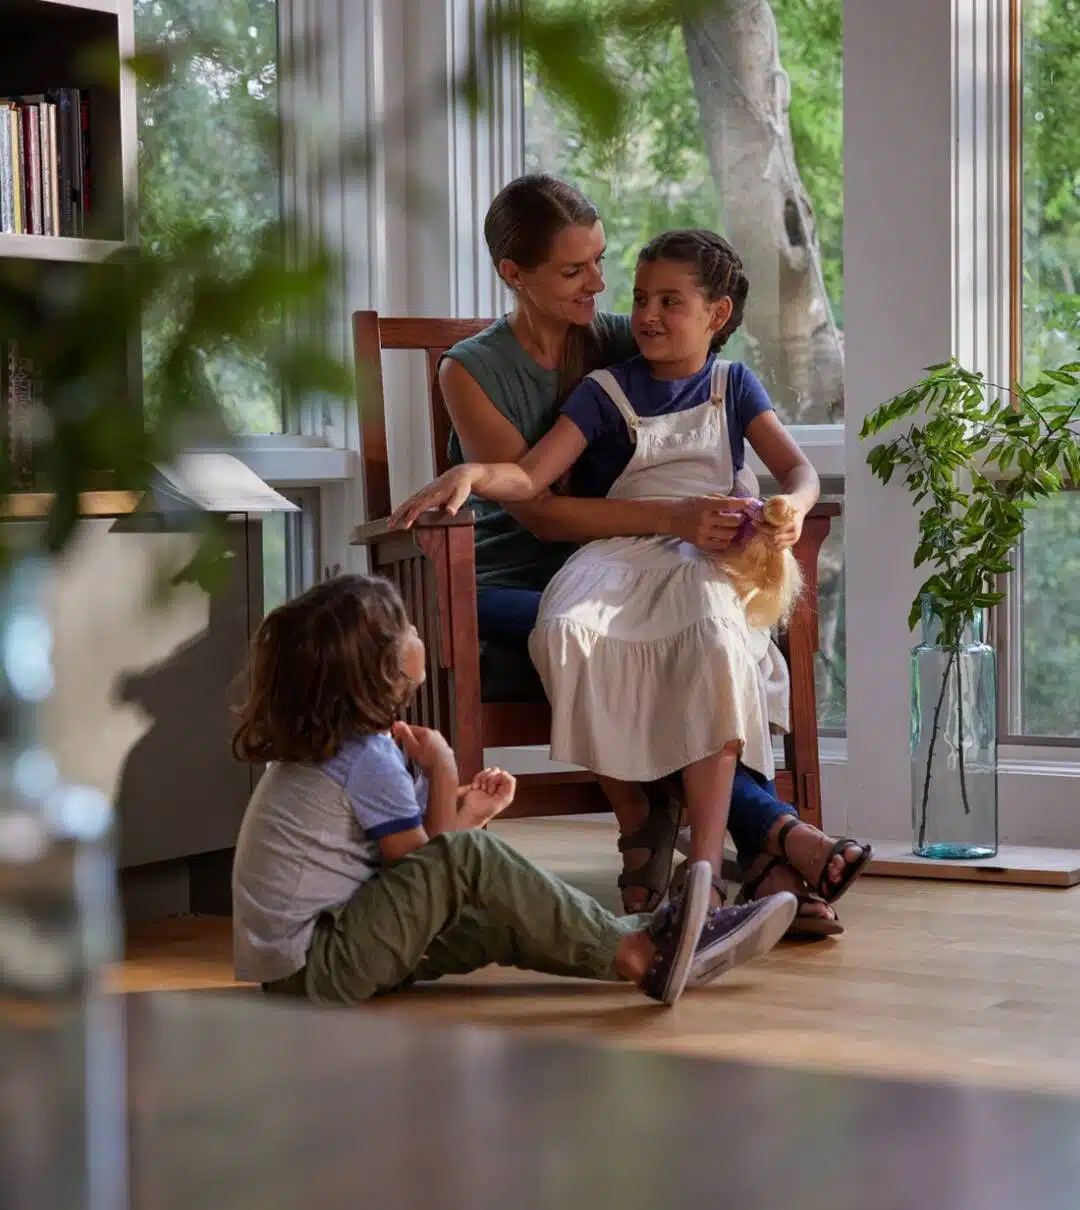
{"x":694,"y":910}
{"x":754,"y":938}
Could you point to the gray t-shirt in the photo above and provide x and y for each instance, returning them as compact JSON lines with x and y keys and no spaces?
{"x":507,"y":554}
{"x":309,"y":838}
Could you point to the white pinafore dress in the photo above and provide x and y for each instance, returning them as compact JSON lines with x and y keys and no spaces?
{"x":642,"y":644}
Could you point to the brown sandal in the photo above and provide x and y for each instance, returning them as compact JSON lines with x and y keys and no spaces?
{"x":803,"y":928}
{"x":657,"y":834}
{"x":830,"y":892}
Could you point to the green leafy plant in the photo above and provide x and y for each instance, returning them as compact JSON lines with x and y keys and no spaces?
{"x":976,"y":458}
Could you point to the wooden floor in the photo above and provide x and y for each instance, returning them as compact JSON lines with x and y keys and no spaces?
{"x":931,"y":980}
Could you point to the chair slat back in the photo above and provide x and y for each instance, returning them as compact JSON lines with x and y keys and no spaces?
{"x":372,"y":335}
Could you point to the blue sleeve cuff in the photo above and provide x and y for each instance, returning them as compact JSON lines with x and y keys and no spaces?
{"x":393,"y":826}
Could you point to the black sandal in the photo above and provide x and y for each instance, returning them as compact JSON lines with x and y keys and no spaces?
{"x":657,"y":834}
{"x":828,"y":891}
{"x":803,"y":928}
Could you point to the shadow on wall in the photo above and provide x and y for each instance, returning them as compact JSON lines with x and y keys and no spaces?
{"x":180,"y":791}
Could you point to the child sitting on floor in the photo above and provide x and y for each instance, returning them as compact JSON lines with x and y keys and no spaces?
{"x":352,"y":879}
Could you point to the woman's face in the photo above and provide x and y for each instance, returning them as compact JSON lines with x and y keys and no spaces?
{"x":565,"y":286}
{"x":672,"y":321}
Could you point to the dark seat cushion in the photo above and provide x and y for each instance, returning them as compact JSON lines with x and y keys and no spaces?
{"x":507,"y":674}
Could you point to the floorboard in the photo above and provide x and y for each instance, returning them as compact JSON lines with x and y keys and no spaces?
{"x":931,"y":980}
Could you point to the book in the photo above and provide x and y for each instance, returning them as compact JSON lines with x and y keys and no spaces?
{"x":46,"y":172}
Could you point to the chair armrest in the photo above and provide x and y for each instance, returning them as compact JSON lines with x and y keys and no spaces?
{"x":370,"y":532}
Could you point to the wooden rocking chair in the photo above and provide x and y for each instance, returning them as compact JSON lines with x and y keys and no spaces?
{"x":475,"y":694}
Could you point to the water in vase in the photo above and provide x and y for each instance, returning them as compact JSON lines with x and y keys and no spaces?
{"x":954,"y":746}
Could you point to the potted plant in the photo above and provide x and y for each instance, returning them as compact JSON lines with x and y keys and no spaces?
{"x":975,"y":457}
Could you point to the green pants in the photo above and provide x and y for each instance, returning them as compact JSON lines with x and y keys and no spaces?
{"x":463,"y":901}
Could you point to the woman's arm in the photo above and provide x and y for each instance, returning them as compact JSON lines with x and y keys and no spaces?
{"x":789,"y":466}
{"x":552,"y":456}
{"x":487,"y":436}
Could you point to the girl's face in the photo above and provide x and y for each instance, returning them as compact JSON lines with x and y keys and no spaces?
{"x":672,"y":321}
{"x":413,"y":656}
{"x":565,"y":286}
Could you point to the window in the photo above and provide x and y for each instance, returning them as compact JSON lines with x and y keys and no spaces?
{"x":1045,"y":686}
{"x":198,"y":159}
{"x":738,"y":129}
{"x":290,"y":549}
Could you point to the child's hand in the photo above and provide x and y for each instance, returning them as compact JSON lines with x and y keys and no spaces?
{"x":782,"y":522}
{"x":491,"y":792}
{"x":427,"y":748}
{"x":449,"y":491}
{"x":708,"y":522}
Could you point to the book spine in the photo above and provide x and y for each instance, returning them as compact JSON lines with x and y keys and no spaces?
{"x":33,"y":174}
{"x":21,"y":393}
{"x":46,"y":170}
{"x":18,"y":160}
{"x":7,"y":198}
{"x":63,"y":122}
{"x":84,"y":131}
{"x":55,"y":169}
{"x":75,"y":136}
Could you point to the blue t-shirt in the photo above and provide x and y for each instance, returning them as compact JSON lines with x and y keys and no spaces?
{"x":309,"y":838}
{"x":601,"y":423}
{"x":374,"y":775}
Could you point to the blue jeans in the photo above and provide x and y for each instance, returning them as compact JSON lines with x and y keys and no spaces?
{"x":508,"y":615}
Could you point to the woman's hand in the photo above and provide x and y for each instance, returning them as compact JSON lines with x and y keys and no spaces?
{"x":708,"y":522}
{"x":449,"y":491}
{"x":491,"y":792}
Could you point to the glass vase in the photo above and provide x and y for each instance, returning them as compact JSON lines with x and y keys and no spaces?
{"x":62,"y":1064}
{"x":954,"y":801}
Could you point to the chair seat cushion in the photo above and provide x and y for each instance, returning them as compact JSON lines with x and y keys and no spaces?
{"x":507,"y":674}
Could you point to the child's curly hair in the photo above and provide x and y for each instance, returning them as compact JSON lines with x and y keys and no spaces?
{"x":322,"y":668}
{"x":717,"y":268}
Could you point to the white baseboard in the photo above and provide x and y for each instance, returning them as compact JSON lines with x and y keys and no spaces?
{"x":1038,"y":799}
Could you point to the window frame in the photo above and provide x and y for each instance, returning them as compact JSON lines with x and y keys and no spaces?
{"x":1010,"y":622}
{"x":927,"y":258}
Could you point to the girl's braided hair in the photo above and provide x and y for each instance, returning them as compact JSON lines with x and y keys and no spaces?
{"x":717,"y":269}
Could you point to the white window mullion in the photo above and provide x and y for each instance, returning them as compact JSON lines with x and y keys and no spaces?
{"x":899,"y":318}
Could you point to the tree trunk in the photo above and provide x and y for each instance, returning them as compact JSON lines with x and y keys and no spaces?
{"x":743,"y":94}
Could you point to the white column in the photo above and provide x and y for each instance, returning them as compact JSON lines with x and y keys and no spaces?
{"x":899,"y":308}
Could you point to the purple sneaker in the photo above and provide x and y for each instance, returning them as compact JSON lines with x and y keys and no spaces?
{"x":675,"y":928}
{"x":732,"y":936}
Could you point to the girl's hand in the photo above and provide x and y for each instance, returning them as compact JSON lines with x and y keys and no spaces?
{"x":491,"y":792}
{"x":707,"y":522}
{"x":427,"y":748}
{"x":449,"y":491}
{"x":786,"y":530}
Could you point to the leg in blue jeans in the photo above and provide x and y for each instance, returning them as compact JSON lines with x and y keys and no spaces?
{"x":506,"y":615}
{"x":755,"y":809}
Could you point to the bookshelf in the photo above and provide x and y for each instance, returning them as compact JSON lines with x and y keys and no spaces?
{"x":72,"y":124}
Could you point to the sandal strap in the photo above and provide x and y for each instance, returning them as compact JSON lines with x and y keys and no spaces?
{"x":790,"y":824}
{"x":752,"y":882}
{"x":829,"y":891}
{"x":657,"y":835}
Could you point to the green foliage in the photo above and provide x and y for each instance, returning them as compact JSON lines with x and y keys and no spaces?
{"x":977,"y":463}
{"x":210,"y":81}
{"x":650,"y":172}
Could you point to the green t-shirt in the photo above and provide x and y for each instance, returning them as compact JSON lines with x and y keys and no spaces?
{"x":507,"y":554}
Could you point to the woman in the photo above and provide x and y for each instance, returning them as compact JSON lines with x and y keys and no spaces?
{"x":503,"y":389}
